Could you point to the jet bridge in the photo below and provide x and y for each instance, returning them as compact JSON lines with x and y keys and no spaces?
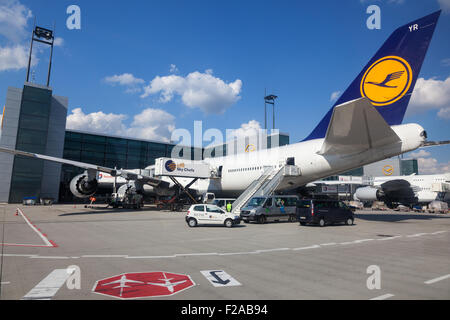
{"x":265,"y":185}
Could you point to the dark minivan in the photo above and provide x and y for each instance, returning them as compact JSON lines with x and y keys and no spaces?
{"x":323,"y":212}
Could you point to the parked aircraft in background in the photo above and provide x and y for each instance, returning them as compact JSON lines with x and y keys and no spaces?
{"x":405,"y":190}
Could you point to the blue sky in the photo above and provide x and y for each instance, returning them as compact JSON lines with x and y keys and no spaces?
{"x":143,"y":68}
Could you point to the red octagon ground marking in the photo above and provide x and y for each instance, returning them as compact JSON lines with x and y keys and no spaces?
{"x":143,"y":285}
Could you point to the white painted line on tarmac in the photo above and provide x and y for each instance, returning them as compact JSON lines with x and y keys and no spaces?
{"x":306,"y":248}
{"x":149,"y":257}
{"x":19,"y":255}
{"x":416,"y":235}
{"x":49,"y":257}
{"x":383,"y":297}
{"x":196,"y":254}
{"x":328,"y":244}
{"x":49,"y":286}
{"x":104,"y":256}
{"x":363,"y":240}
{"x":437,"y":279}
{"x":236,"y":253}
{"x":272,"y":250}
{"x":5,"y":282}
{"x":438,"y":232}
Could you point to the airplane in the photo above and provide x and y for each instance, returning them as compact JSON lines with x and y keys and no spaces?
{"x":167,"y":284}
{"x":406,"y":190}
{"x":122,"y":283}
{"x":362,"y":127}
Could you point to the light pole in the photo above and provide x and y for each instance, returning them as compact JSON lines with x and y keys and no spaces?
{"x":270,"y":99}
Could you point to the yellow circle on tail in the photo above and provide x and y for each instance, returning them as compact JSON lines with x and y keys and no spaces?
{"x":387,"y":80}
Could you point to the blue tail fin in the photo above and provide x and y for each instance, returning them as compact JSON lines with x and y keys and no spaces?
{"x":389,"y":78}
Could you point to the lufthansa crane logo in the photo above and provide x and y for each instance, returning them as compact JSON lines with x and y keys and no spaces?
{"x":388,"y":170}
{"x":170,"y":166}
{"x":250,"y":148}
{"x":386,"y":80}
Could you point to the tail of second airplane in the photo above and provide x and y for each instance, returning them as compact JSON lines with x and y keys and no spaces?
{"x":388,"y":80}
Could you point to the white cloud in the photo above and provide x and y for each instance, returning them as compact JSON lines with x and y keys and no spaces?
{"x":429,"y":165}
{"x":335,"y":95}
{"x":428,"y":95}
{"x":125,"y":79}
{"x":13,"y":20}
{"x":420,"y":153}
{"x":15,"y":58}
{"x":251,"y":128}
{"x":151,"y":124}
{"x":197,"y":90}
{"x":173,"y":68}
{"x":432,"y":166}
{"x":132,"y":84}
{"x":58,"y":42}
{"x":445,"y":5}
{"x":96,"y":122}
{"x":444,"y":113}
{"x":13,"y":27}
{"x":154,"y":124}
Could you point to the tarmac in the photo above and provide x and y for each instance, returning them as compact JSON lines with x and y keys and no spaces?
{"x":384,"y":255}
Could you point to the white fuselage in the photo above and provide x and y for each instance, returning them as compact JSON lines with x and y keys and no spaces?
{"x":239,"y":171}
{"x":422,"y":185}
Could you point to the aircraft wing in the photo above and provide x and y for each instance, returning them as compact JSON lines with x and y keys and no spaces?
{"x":87,"y":166}
{"x":356,"y":126}
{"x":435,"y":143}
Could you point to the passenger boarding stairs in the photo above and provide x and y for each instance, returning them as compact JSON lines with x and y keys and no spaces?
{"x":265,"y":185}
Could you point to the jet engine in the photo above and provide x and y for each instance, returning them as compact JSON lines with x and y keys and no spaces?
{"x":369,"y":194}
{"x":82,"y":187}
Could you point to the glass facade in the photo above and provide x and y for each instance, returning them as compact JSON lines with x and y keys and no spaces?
{"x":32,"y":137}
{"x":113,"y":152}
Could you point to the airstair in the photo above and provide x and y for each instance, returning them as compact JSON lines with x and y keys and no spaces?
{"x":265,"y":185}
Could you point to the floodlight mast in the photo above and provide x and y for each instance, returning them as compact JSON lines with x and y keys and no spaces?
{"x":45,"y":36}
{"x":270,"y":99}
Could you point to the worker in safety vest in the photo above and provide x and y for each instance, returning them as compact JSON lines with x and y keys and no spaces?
{"x":228,"y":207}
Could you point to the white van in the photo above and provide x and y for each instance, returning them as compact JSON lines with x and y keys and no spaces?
{"x":210,"y":214}
{"x":271,"y":208}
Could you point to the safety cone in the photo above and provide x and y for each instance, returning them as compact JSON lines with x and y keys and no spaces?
{"x":17,"y":212}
